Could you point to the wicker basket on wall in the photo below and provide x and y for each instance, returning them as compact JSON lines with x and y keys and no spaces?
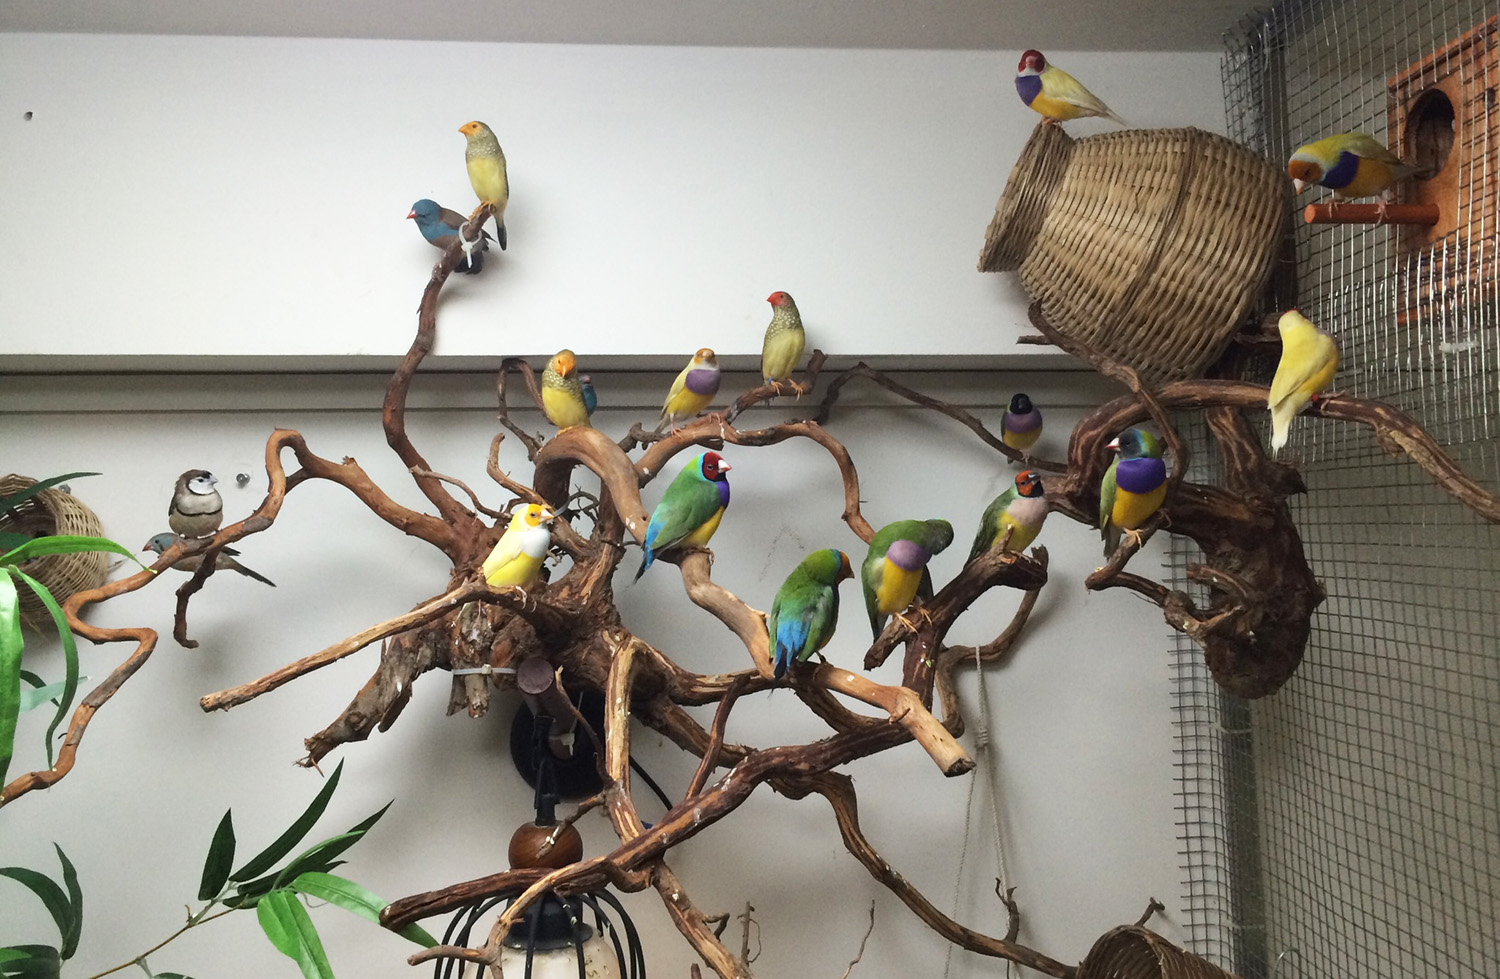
{"x":1137,"y":952}
{"x":53,"y":511}
{"x":1148,"y":245}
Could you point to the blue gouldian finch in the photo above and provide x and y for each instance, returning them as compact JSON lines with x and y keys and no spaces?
{"x":517,"y":555}
{"x":1022,"y":507}
{"x":896,"y":565}
{"x":806,"y":609}
{"x":225,"y":561}
{"x":1021,"y":425}
{"x":1133,"y":488}
{"x":562,"y":393}
{"x":196,"y":509}
{"x":590,"y":398}
{"x":692,"y":391}
{"x":1352,"y":165}
{"x":1054,"y":93}
{"x":1309,"y":358}
{"x":784,"y":341}
{"x":440,"y":227}
{"x":690,"y":509}
{"x":486,"y":163}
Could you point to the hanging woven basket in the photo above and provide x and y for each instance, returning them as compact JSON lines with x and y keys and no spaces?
{"x":53,"y":511}
{"x":1147,"y":245}
{"x":1137,"y":952}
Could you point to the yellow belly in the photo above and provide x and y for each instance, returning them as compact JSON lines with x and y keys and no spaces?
{"x":1055,"y":108}
{"x":897,"y":589}
{"x":520,"y":570}
{"x":564,"y":410}
{"x":1131,"y":509}
{"x":700,"y":537}
{"x":487,"y":175}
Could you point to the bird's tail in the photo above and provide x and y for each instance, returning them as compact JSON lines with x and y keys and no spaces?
{"x":254,"y":574}
{"x":1281,"y":425}
{"x":1112,"y":535}
{"x":1114,"y":116}
{"x":645,"y":563}
{"x":500,"y":232}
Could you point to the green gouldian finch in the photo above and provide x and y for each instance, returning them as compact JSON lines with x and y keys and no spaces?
{"x":486,"y":163}
{"x":1132,"y":489}
{"x":223,"y":561}
{"x":517,"y":556}
{"x":1022,"y":508}
{"x":806,"y":609}
{"x":784,"y":340}
{"x":196,"y":509}
{"x":1309,"y":358}
{"x":562,"y":392}
{"x":896,"y":565}
{"x":690,"y":509}
{"x":692,"y":391}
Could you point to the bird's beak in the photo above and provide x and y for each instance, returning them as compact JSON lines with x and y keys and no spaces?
{"x":1114,"y":445}
{"x":548,"y":515}
{"x":1298,"y":185}
{"x":410,"y":215}
{"x":724,"y":467}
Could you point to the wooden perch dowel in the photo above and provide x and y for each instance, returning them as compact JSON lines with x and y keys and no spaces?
{"x":1424,"y":215}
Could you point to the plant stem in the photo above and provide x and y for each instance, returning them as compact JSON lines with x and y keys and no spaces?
{"x":140,"y":959}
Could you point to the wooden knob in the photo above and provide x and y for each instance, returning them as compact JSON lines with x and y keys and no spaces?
{"x":529,"y":847}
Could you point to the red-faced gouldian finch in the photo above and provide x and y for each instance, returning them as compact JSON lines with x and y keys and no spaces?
{"x":562,"y":393}
{"x":784,"y":341}
{"x":1133,"y":488}
{"x":1021,"y":425}
{"x":690,"y":510}
{"x":486,"y":163}
{"x":806,"y":609}
{"x":1352,"y":165}
{"x":1054,"y":93}
{"x":896,"y":566}
{"x":1309,"y":358}
{"x":692,"y":391}
{"x":1023,"y":507}
{"x":224,"y":561}
{"x":196,"y":509}
{"x":517,"y":556}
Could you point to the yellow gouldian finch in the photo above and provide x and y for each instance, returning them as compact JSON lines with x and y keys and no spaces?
{"x":692,"y":391}
{"x":784,"y":340}
{"x":562,"y":393}
{"x":1309,"y":358}
{"x":517,"y":556}
{"x":1054,"y":93}
{"x":486,"y":163}
{"x":1352,"y":165}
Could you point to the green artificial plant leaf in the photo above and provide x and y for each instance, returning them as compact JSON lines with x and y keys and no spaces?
{"x":64,"y":544}
{"x":220,"y":859}
{"x":52,"y":896}
{"x":170,"y":975}
{"x":354,"y":897}
{"x":264,"y":860}
{"x":30,"y":962}
{"x":10,"y":668}
{"x":286,"y":923}
{"x":319,"y":856}
{"x":70,"y":657}
{"x":21,"y":496}
{"x":75,"y":900}
{"x":40,"y":694}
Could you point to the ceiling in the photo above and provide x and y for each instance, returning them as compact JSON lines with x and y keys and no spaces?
{"x":1127,"y":25}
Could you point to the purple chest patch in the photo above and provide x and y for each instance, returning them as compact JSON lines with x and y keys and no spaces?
{"x":1029,"y":87}
{"x":907,"y":555}
{"x":1140,"y":475}
{"x":723,"y":485}
{"x":1029,"y":422}
{"x":1343,"y":172}
{"x":702,"y":382}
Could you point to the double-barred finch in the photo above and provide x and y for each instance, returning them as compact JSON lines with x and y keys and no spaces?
{"x":1054,"y":93}
{"x":1021,"y":425}
{"x":1309,"y":358}
{"x":1022,"y":507}
{"x":441,"y":226}
{"x":1352,"y":165}
{"x":692,"y":391}
{"x":690,"y":509}
{"x":894,"y":571}
{"x":784,"y":341}
{"x":517,"y":557}
{"x":562,"y":393}
{"x":486,"y":164}
{"x":225,"y":561}
{"x":196,"y":509}
{"x":1133,"y":488}
{"x":806,"y":609}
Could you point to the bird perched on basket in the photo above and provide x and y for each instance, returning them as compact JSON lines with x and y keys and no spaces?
{"x":1022,"y":507}
{"x":1133,"y":488}
{"x":1352,"y":165}
{"x":692,"y":391}
{"x":690,"y":509}
{"x":1054,"y":93}
{"x":486,"y":164}
{"x":590,"y":399}
{"x":225,"y":561}
{"x":442,"y":228}
{"x":196,"y":509}
{"x":562,"y":392}
{"x":1021,"y":425}
{"x":784,"y":341}
{"x":517,"y":556}
{"x":806,"y":609}
{"x":894,"y":571}
{"x":1309,"y":358}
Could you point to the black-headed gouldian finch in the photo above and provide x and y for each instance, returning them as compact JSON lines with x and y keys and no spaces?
{"x":692,"y":391}
{"x":1023,"y":507}
{"x":196,"y":509}
{"x":1309,"y":358}
{"x":486,"y":163}
{"x":441,"y":226}
{"x":517,"y":556}
{"x":896,"y":565}
{"x":1054,"y":93}
{"x":562,"y":393}
{"x":690,"y":510}
{"x":225,"y":561}
{"x":806,"y":609}
{"x":1133,"y":488}
{"x":1352,"y":165}
{"x":785,"y":338}
{"x":1021,"y":425}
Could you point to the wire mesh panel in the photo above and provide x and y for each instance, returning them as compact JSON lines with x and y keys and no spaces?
{"x":1374,"y":773}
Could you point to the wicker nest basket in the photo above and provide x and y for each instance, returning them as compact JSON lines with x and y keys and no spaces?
{"x":53,"y":511}
{"x":1137,"y":952}
{"x":1147,"y":245}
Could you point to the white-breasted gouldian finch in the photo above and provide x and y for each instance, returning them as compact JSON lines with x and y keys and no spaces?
{"x":690,"y":509}
{"x":225,"y":561}
{"x":1022,"y":507}
{"x":1133,"y":488}
{"x":1021,"y":425}
{"x":1352,"y":165}
{"x":806,"y":609}
{"x":486,"y":163}
{"x":517,"y":556}
{"x":784,"y":341}
{"x":590,"y":398}
{"x":1309,"y":358}
{"x":692,"y":391}
{"x":441,"y":227}
{"x":896,"y":566}
{"x":196,"y":509}
{"x":562,"y":392}
{"x":1056,"y":95}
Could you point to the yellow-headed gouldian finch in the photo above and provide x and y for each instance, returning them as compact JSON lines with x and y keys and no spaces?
{"x":486,"y":163}
{"x":517,"y":556}
{"x":784,"y":340}
{"x":692,"y":391}
{"x":1309,"y":358}
{"x":1352,"y":165}
{"x":562,"y":393}
{"x":1054,"y":93}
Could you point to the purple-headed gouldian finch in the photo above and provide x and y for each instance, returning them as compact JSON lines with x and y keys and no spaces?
{"x":196,"y":509}
{"x":1309,"y":358}
{"x":441,"y":227}
{"x":1021,"y":425}
{"x":1352,"y":165}
{"x":590,"y":399}
{"x":690,"y":509}
{"x":895,"y":569}
{"x":486,"y":163}
{"x":517,"y":556}
{"x":1022,"y":507}
{"x":692,"y":391}
{"x":562,"y":394}
{"x":784,"y":341}
{"x":1133,"y":488}
{"x":806,"y":609}
{"x":1054,"y":93}
{"x":224,"y":561}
